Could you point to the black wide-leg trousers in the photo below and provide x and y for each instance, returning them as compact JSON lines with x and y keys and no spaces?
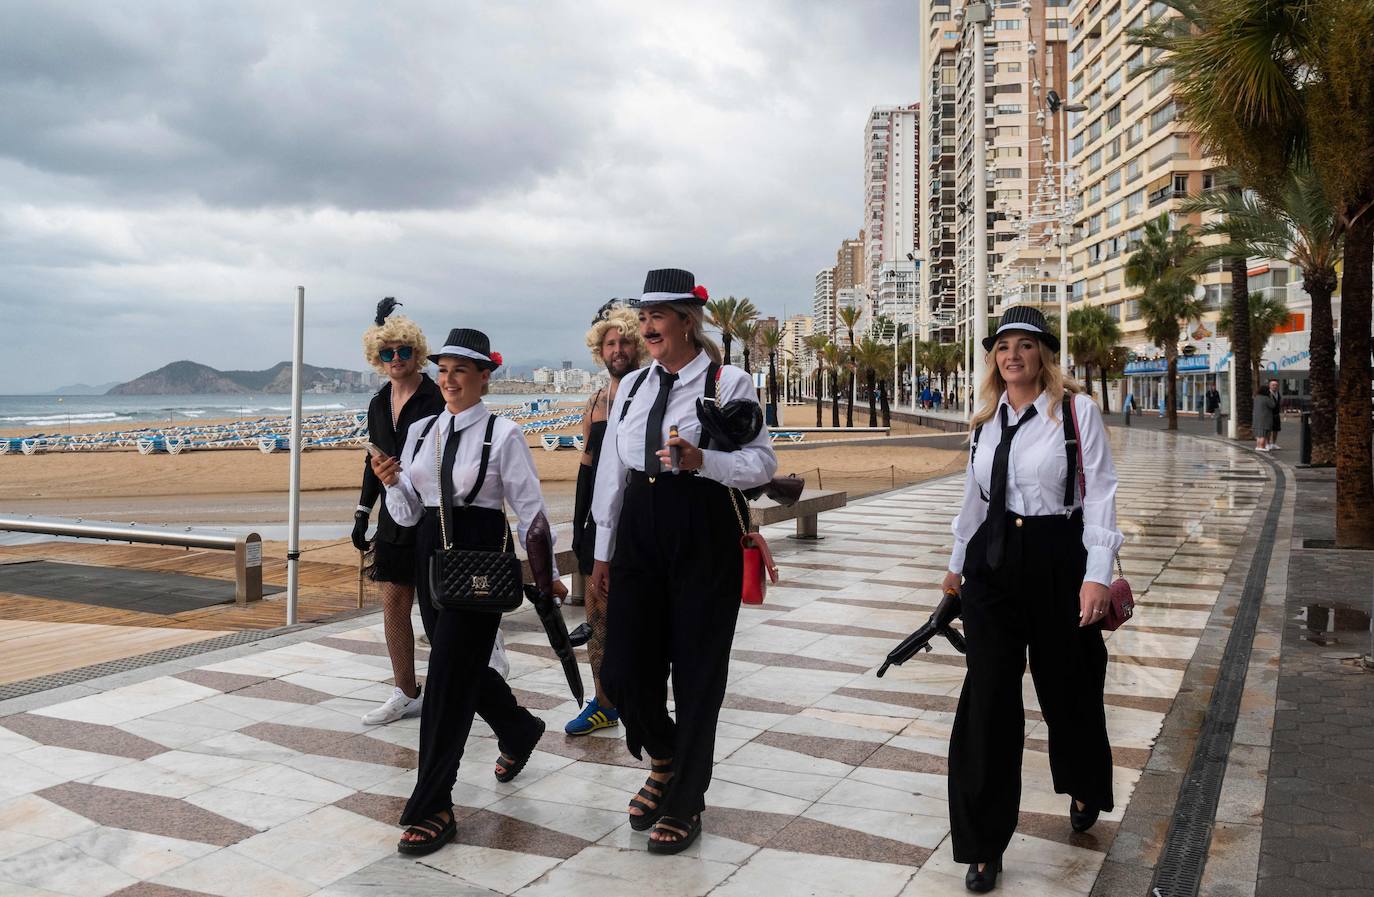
{"x":1029,"y":606}
{"x":674,"y":599}
{"x":460,"y":682}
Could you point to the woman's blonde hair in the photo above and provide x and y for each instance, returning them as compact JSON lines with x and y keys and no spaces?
{"x":396,"y":329}
{"x":1052,"y":381}
{"x":622,"y":319}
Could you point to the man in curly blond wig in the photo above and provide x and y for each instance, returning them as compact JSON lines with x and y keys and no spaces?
{"x":396,"y":348}
{"x":615,"y":344}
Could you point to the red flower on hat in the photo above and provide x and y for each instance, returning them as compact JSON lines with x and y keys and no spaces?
{"x":700,"y":292}
{"x":496,"y":357}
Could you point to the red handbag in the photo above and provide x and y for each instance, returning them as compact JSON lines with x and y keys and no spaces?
{"x":1120,"y":599}
{"x":758,"y":561}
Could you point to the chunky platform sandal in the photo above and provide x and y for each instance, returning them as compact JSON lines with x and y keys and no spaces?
{"x":513,"y":766}
{"x":434,"y":833}
{"x":686,"y":833}
{"x":649,"y":815}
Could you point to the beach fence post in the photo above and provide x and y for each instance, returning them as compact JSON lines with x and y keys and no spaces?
{"x":293,"y":545}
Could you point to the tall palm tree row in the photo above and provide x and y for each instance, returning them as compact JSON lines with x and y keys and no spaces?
{"x":816,"y":343}
{"x":1093,"y":334}
{"x":1159,"y":266}
{"x":849,"y":317}
{"x":835,"y":360}
{"x":1270,"y":84}
{"x":727,"y":315}
{"x":770,"y":339}
{"x":1300,"y":225}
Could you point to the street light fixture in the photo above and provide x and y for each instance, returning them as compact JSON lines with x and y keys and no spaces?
{"x":977,"y":16}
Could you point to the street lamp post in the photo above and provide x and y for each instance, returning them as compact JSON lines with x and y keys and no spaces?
{"x":1066,"y":216}
{"x":977,"y":16}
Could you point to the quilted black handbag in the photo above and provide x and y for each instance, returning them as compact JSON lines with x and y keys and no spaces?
{"x":472,"y":580}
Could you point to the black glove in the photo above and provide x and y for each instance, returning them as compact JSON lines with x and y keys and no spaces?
{"x":360,"y":530}
{"x":949,"y":609}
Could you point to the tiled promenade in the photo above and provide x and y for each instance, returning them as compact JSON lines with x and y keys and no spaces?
{"x":246,"y":772}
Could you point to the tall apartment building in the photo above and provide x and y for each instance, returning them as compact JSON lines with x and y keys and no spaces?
{"x":941,"y":48}
{"x":891,"y":188}
{"x":823,"y":301}
{"x":849,"y":263}
{"x":1135,"y":158}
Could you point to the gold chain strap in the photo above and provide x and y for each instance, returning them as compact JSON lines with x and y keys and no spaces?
{"x":443,"y":511}
{"x":744,"y":530}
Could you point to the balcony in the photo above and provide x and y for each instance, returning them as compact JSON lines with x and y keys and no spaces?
{"x":1164,"y":194}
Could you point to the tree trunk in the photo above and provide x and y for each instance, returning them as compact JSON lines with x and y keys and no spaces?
{"x":834,"y":399}
{"x":745,"y":352}
{"x":1354,"y":483}
{"x":872,"y":410}
{"x":1319,"y":286}
{"x":849,"y":410}
{"x":1088,"y":379}
{"x":1171,"y":384}
{"x":887,"y":406}
{"x":820,"y":388}
{"x":1240,"y":347}
{"x":1106,"y":399}
{"x":725,"y":338}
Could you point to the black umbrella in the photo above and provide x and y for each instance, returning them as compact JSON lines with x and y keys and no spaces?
{"x":539,"y":550}
{"x":938,"y":624}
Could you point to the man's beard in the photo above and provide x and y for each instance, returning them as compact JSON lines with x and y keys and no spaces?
{"x":620,"y":366}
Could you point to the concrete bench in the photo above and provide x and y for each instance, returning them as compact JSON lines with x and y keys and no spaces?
{"x":806,"y":511}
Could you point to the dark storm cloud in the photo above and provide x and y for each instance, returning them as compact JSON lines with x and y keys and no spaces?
{"x":170,"y":171}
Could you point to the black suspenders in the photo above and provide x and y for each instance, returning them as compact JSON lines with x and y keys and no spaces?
{"x":1070,"y":450}
{"x":482,"y":466}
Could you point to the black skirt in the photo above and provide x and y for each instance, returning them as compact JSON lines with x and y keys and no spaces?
{"x":393,"y":563}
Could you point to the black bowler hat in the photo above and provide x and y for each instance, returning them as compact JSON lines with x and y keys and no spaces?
{"x":1026,"y":318}
{"x":468,"y":343}
{"x":671,"y":285}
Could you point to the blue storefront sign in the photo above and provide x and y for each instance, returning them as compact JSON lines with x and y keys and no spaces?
{"x":1160,"y":365}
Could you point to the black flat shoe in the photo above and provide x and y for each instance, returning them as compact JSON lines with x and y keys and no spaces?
{"x":580,"y":636}
{"x":1081,"y":820}
{"x":982,"y":882}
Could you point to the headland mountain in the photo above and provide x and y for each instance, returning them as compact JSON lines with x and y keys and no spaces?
{"x":189,"y":378}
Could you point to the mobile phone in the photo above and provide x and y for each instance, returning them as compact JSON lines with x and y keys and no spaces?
{"x":674,"y":452}
{"x":375,"y":450}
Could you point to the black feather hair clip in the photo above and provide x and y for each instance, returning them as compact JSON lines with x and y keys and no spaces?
{"x":609,"y":306}
{"x":386,"y":307}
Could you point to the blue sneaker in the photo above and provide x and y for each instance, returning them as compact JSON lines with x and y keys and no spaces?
{"x":592,"y":718}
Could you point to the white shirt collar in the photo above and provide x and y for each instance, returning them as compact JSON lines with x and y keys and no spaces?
{"x":689,"y":371}
{"x":467,"y":417}
{"x":1041,"y":403}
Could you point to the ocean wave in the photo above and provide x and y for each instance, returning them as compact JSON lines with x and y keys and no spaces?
{"x":36,"y":420}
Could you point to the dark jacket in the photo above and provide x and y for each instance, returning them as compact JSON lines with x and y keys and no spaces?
{"x":1265,"y":414}
{"x":426,"y":401}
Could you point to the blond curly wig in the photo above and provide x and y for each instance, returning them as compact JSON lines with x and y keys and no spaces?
{"x":627,"y":322}
{"x":397,"y":329}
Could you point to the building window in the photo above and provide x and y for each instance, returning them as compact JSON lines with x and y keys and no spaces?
{"x":1162,"y":116}
{"x":1135,"y":63}
{"x":1135,"y":202}
{"x":1008,"y":172}
{"x":1208,"y":180}
{"x":1133,"y":170}
{"x":1007,"y":25}
{"x":1114,"y":181}
{"x":1114,"y":116}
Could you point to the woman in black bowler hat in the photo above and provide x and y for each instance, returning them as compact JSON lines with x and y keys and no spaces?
{"x":1032,"y":560}
{"x":480,"y":462}
{"x":668,"y":554}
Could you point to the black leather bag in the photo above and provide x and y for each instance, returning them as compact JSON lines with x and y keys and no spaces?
{"x":473,"y":580}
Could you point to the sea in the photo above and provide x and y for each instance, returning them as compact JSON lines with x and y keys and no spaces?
{"x":44,"y":414}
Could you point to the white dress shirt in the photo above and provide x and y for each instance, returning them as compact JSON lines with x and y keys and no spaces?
{"x":753,"y":465}
{"x":511,"y":475}
{"x":1036,"y":469}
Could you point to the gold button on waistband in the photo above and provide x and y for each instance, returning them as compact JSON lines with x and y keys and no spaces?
{"x":1019,"y":521}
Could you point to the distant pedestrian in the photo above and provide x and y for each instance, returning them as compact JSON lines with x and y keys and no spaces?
{"x":936,"y":398}
{"x":1162,"y":404}
{"x":1213,"y":401}
{"x":1032,"y":559}
{"x":925,"y":397}
{"x":1278,"y":415}
{"x":1263,"y":412}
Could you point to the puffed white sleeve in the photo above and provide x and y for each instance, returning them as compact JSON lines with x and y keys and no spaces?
{"x":1101,"y":537}
{"x":972,"y":512}
{"x":520,"y":482}
{"x":402,"y":501}
{"x":755,"y":463}
{"x":609,"y":492}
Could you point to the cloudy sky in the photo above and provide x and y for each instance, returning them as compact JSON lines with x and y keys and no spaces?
{"x":170,"y":171}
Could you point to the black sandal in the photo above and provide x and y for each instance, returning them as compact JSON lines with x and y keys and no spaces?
{"x":434,"y":833}
{"x":517,"y":764}
{"x":648,"y":815}
{"x":686,"y":833}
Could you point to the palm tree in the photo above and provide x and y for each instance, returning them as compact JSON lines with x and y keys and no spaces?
{"x":720,"y":314}
{"x":1159,"y":267}
{"x":1302,"y":227}
{"x":869,"y":355}
{"x":816,"y":342}
{"x":1270,"y":83}
{"x":1267,"y":314}
{"x":746,"y":332}
{"x":835,"y":357}
{"x":770,"y":338}
{"x":849,"y":317}
{"x":1093,"y":333}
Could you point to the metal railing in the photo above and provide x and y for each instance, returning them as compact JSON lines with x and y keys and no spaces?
{"x":247,"y":548}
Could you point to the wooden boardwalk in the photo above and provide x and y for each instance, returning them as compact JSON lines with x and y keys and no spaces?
{"x":39,"y":636}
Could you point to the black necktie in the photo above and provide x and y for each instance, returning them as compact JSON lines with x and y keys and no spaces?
{"x":653,"y":430}
{"x":997,"y":492}
{"x":446,"y":467}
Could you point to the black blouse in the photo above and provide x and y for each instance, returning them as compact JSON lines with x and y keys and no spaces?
{"x":389,"y":437}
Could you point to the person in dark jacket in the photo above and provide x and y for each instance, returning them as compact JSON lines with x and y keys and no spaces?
{"x":395,"y":346}
{"x":1263,"y":413}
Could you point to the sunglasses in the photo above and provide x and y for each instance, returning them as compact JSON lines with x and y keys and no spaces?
{"x":389,"y":355}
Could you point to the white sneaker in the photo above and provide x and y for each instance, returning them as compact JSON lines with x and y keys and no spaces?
{"x":398,"y":706}
{"x":1274,"y":447}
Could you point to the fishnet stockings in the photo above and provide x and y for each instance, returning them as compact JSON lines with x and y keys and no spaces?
{"x":400,"y":635}
{"x":595,"y":608}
